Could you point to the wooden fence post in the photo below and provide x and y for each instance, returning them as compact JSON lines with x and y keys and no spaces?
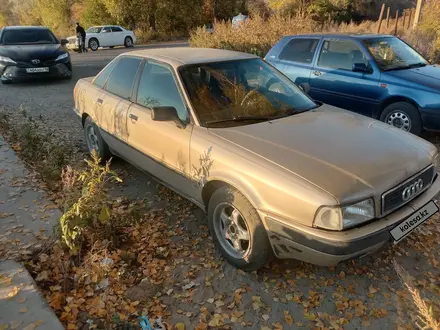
{"x":404,"y":18}
{"x":418,"y":11}
{"x":397,"y":22}
{"x":388,"y":17}
{"x":381,"y":17}
{"x":409,"y":19}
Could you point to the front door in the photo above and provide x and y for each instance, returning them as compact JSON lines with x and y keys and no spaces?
{"x":106,"y":37}
{"x":333,"y":81}
{"x":161,"y":148}
{"x":118,"y":36}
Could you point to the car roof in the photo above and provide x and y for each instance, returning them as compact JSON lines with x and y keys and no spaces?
{"x":25,"y":27}
{"x":345,"y":35}
{"x":178,"y":56}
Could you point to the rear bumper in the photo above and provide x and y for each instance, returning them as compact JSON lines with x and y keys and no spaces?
{"x":430,"y":119}
{"x":16,"y":74}
{"x":327,"y":248}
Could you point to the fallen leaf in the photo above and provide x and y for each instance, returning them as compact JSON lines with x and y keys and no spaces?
{"x":288,"y":318}
{"x":4,"y":326}
{"x":180,"y":326}
{"x":266,"y":317}
{"x":43,"y":276}
{"x":13,"y":292}
{"x":6,"y":215}
{"x":23,"y":310}
{"x":15,"y":324}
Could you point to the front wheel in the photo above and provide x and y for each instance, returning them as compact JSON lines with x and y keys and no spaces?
{"x":237,"y":230}
{"x":93,"y":44}
{"x":403,"y":115}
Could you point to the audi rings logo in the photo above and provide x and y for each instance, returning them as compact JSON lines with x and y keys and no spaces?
{"x":36,"y":61}
{"x":412,"y":190}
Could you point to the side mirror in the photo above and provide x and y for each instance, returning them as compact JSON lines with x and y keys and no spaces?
{"x":64,"y":42}
{"x":167,"y":114}
{"x":360,"y":67}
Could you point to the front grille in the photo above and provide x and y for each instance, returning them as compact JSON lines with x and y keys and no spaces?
{"x":393,"y":199}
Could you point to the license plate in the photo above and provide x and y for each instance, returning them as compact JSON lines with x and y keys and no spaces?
{"x":416,"y":219}
{"x":37,"y":70}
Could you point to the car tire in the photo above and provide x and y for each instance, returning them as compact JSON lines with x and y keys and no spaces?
{"x":128,"y":42}
{"x":6,"y":82}
{"x":403,"y":115}
{"x":94,"y":44}
{"x":258,"y":250}
{"x":94,"y":140}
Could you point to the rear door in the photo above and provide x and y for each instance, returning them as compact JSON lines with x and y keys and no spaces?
{"x":333,"y":81}
{"x":295,"y":59}
{"x":118,"y":36}
{"x":116,"y":100}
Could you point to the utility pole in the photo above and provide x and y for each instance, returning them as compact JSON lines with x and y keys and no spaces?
{"x":418,"y":11}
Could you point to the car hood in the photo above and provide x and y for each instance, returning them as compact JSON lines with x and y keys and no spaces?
{"x":428,"y":75}
{"x":349,"y":156}
{"x":28,"y":52}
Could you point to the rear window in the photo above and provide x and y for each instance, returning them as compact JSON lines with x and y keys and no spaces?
{"x":299,"y":50}
{"x":28,"y":36}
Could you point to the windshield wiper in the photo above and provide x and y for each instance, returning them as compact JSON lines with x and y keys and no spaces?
{"x":405,"y":67}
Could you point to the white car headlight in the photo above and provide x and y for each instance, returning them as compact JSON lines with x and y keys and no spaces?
{"x":7,"y":60}
{"x":339,"y":218}
{"x":62,"y":56}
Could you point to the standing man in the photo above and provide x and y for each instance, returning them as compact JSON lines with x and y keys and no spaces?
{"x":81,"y":34}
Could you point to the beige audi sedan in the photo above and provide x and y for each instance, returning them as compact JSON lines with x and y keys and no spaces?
{"x":278,"y":173}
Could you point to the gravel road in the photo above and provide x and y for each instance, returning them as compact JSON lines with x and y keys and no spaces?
{"x":364,"y":293}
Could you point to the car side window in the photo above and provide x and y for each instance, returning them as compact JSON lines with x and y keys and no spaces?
{"x":116,"y":29}
{"x":157,"y":87}
{"x":299,"y":50}
{"x":122,"y":78}
{"x":101,"y":78}
{"x":106,"y":29}
{"x":340,"y":54}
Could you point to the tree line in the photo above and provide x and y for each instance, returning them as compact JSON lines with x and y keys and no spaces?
{"x":169,"y":16}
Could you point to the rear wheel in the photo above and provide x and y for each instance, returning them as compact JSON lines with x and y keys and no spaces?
{"x":94,"y":44}
{"x":403,"y":115}
{"x":237,"y":230}
{"x":128,"y":42}
{"x":95,"y":141}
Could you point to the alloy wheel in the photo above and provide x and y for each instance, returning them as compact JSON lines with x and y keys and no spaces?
{"x":399,"y":119}
{"x":92,"y":139}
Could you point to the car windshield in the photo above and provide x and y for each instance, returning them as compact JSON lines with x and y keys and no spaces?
{"x":393,"y":54}
{"x":95,"y":29}
{"x":28,"y":36}
{"x":241,"y":92}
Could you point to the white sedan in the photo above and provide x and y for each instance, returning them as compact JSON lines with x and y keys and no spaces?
{"x":105,"y":36}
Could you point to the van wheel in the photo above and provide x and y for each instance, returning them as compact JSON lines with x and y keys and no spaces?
{"x":95,"y":141}
{"x":403,"y":115}
{"x":237,"y":230}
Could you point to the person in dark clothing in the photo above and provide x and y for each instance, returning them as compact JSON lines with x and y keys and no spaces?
{"x":81,"y":33}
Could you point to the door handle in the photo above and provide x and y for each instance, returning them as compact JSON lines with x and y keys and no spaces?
{"x":133,"y":117}
{"x":317,"y":73}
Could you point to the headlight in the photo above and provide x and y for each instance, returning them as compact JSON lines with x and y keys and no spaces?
{"x":62,"y":56}
{"x":339,"y":218}
{"x":7,"y":60}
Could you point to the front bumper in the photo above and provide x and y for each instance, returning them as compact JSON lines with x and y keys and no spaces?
{"x":326,"y":248}
{"x":14,"y":73}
